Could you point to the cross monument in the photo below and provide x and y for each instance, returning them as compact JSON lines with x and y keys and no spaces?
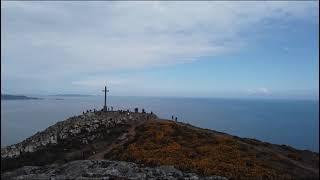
{"x":105,"y":98}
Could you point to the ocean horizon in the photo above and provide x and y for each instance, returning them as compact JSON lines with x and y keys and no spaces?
{"x":293,"y":122}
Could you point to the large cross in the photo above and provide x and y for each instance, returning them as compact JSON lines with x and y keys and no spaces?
{"x":105,"y":98}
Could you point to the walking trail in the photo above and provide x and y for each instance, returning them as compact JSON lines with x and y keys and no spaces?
{"x":121,"y":140}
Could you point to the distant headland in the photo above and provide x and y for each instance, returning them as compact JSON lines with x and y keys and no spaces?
{"x":16,"y":97}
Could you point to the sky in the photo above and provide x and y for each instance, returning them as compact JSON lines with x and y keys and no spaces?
{"x":182,"y":49}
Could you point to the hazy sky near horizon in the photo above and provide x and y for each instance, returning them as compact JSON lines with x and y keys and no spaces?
{"x":200,"y":49}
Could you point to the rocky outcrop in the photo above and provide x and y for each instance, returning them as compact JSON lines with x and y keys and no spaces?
{"x":87,"y":123}
{"x":102,"y":169}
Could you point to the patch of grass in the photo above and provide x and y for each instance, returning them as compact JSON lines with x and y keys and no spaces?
{"x":168,"y":143}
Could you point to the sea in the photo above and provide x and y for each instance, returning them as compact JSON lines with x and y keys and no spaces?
{"x":290,"y":122}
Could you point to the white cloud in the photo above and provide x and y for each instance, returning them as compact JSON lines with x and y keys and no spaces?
{"x":113,"y":81}
{"x":53,"y":40}
{"x":286,"y":49}
{"x":259,"y":91}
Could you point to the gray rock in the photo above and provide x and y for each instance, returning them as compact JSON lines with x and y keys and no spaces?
{"x":66,"y":129}
{"x":100,"y":169}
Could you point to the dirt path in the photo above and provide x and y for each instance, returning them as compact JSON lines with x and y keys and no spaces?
{"x":121,"y":140}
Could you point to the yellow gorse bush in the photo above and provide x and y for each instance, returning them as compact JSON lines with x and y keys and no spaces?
{"x":169,"y":143}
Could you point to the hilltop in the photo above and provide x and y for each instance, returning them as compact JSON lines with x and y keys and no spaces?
{"x":151,"y":143}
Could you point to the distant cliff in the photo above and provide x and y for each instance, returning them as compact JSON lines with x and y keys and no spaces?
{"x":16,"y":97}
{"x":151,"y":142}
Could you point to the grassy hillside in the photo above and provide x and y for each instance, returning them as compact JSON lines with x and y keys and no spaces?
{"x":211,"y":153}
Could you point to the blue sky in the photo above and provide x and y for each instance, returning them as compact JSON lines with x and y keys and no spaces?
{"x":193,"y":49}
